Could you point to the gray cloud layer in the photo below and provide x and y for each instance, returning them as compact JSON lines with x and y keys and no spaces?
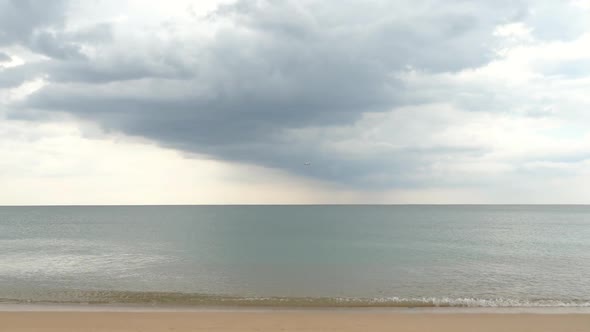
{"x":280,"y":67}
{"x":4,"y":57}
{"x":20,"y":18}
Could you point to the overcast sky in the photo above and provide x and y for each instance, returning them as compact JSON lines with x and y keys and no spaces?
{"x":308,"y":101}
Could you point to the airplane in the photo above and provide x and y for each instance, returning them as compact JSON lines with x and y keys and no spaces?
{"x":307,"y":163}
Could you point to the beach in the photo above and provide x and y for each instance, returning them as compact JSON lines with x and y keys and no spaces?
{"x":296,"y":320}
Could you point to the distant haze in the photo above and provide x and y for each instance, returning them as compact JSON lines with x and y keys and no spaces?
{"x":215,"y":102}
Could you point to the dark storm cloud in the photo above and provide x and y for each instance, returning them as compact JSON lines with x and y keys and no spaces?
{"x":38,"y":25}
{"x":49,"y":44}
{"x":15,"y":76}
{"x":67,"y":45}
{"x":280,"y":66}
{"x":20,"y":18}
{"x":119,"y":70}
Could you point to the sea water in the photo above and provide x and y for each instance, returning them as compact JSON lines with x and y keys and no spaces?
{"x":419,"y":255}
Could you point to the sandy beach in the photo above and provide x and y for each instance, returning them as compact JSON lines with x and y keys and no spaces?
{"x":322,"y":320}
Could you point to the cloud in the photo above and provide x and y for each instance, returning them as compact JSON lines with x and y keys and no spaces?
{"x":15,"y":76}
{"x":19,"y":19}
{"x":557,"y":20}
{"x":375,"y":94}
{"x":273,"y":66}
{"x":5,"y":57}
{"x":47,"y":43}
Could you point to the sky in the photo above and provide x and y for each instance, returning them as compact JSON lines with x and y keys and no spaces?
{"x":294,"y":102}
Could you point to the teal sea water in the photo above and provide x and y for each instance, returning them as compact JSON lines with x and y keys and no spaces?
{"x":481,"y":256}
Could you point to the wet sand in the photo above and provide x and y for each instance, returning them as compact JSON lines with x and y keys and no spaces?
{"x":303,"y":320}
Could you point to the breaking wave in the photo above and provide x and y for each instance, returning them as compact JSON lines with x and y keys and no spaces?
{"x":185,"y":299}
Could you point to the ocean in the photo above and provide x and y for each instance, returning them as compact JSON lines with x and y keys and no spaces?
{"x":350,"y":256}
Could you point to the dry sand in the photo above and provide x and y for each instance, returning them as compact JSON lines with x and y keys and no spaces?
{"x":300,"y":321}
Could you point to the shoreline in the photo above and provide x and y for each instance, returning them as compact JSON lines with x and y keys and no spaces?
{"x":180,"y":299}
{"x":288,"y":321}
{"x":139,"y":308}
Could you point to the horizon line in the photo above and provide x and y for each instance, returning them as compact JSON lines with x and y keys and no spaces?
{"x":305,"y":204}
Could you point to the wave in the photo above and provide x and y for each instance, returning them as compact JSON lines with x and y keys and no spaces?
{"x":191,"y":299}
